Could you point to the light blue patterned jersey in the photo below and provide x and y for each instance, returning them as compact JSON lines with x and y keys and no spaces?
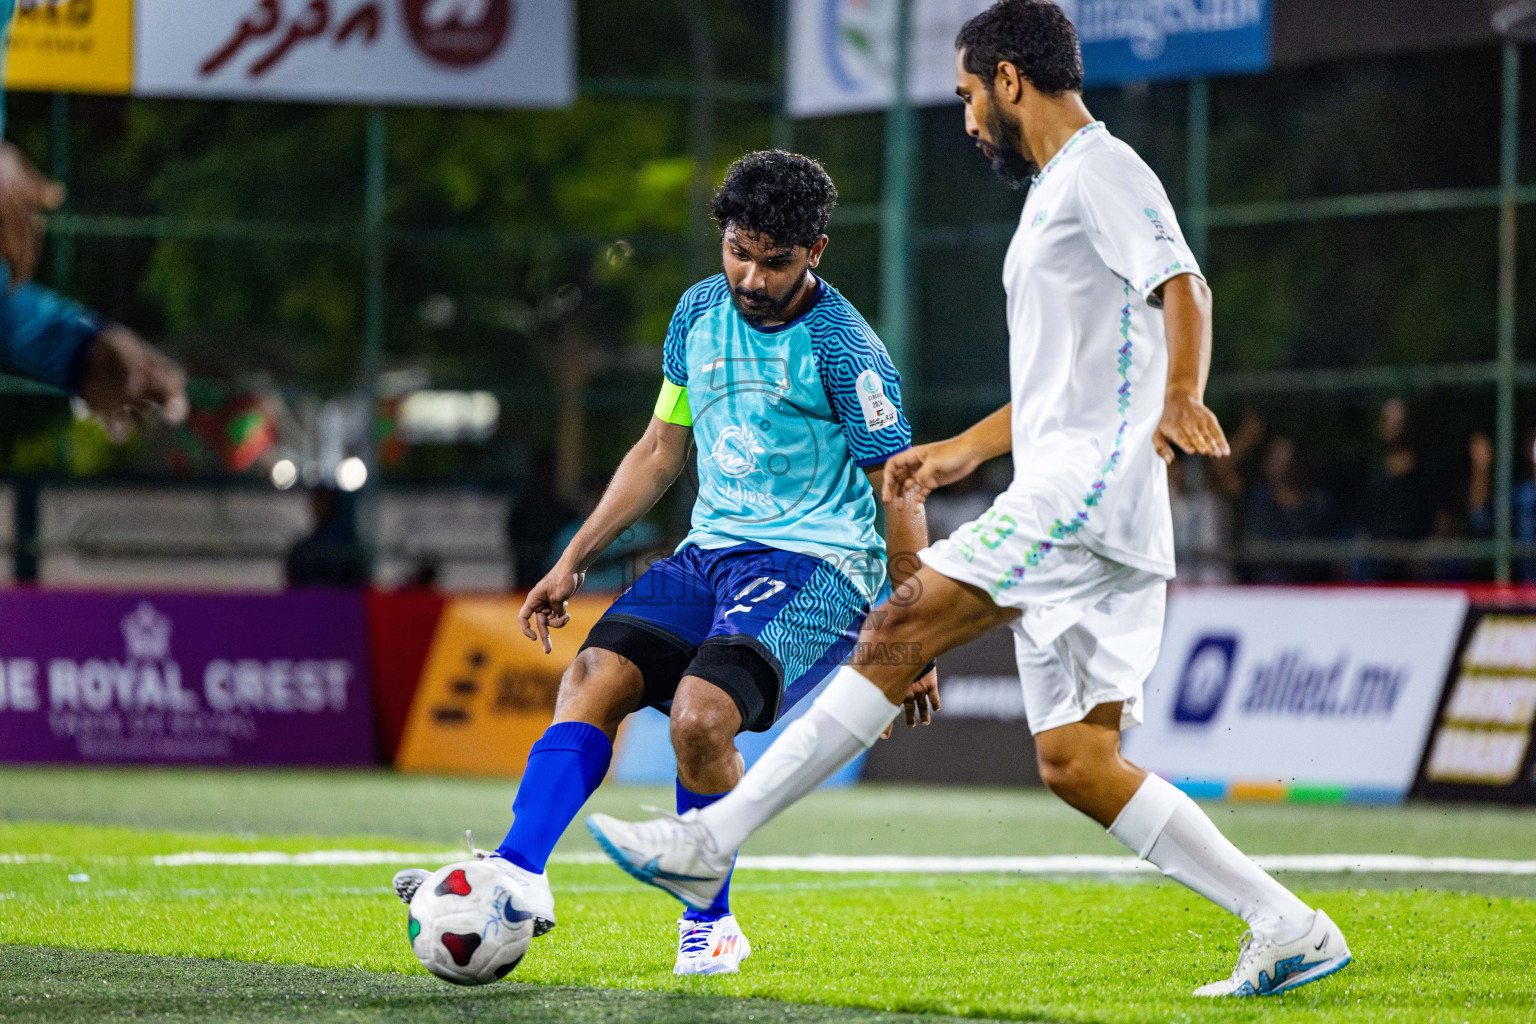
{"x":785,"y":418}
{"x":42,"y":334}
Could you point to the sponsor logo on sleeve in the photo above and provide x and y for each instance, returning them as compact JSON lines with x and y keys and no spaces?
{"x":879,"y":411}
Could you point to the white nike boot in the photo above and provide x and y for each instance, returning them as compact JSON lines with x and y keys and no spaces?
{"x":533,"y":885}
{"x":1266,"y":968}
{"x":710,"y":947}
{"x":676,"y":854}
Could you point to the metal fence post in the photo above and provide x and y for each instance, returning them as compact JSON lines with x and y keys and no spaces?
{"x":701,"y":140}
{"x":783,"y":130}
{"x":1198,"y":169}
{"x":896,"y":215}
{"x":1509,"y":185}
{"x":63,"y":245}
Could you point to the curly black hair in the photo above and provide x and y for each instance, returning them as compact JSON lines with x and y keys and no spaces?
{"x":783,"y":196}
{"x":1034,"y":36}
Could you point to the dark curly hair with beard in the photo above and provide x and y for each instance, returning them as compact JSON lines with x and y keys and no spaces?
{"x":1032,"y":35}
{"x":783,"y":196}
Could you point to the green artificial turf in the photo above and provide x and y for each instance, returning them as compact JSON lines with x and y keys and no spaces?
{"x":45,"y":986}
{"x":1002,"y":947}
{"x":275,"y":942}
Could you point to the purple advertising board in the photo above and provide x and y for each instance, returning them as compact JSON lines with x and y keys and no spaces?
{"x":238,"y":679}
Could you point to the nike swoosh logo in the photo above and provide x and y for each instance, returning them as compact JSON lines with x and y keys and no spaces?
{"x":654,"y":870}
{"x":1320,"y":945}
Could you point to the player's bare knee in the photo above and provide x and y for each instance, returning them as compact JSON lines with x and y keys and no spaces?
{"x":703,"y":732}
{"x":1071,"y":772}
{"x":599,"y":688}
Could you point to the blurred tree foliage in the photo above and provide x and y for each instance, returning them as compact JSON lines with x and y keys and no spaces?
{"x":517,"y":238}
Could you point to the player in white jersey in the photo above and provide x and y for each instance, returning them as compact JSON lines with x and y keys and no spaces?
{"x":1109,"y":322}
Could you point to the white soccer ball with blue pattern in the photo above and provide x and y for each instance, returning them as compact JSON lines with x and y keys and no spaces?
{"x":466,"y":924}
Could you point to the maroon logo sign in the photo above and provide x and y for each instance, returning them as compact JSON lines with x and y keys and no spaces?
{"x":458,"y":33}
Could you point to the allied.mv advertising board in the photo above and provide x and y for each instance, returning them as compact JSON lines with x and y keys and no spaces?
{"x":1303,"y":694}
{"x":276,"y":679}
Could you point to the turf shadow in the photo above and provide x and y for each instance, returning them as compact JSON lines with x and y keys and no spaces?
{"x":41,"y":984}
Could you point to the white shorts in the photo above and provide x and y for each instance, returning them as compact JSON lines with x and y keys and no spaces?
{"x":1090,"y":628}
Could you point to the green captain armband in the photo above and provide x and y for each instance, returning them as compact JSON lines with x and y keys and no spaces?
{"x":672,"y":405}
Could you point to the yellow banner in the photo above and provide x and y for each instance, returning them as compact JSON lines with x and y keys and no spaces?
{"x":71,"y":46}
{"x":488,"y":692}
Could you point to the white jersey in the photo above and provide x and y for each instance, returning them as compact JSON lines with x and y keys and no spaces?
{"x":1088,"y":359}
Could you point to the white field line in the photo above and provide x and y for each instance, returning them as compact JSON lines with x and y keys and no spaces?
{"x":886,"y":864}
{"x":312,"y":858}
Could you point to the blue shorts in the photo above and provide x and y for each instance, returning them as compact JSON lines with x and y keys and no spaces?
{"x":764,"y":624}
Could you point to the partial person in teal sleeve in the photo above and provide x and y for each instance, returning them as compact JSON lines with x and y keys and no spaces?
{"x":792,"y":407}
{"x":55,"y":340}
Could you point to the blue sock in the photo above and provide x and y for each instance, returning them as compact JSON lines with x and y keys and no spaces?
{"x":687,"y":800}
{"x":564,"y":767}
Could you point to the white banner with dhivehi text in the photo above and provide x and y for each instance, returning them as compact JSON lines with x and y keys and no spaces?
{"x":438,"y":52}
{"x":1305,"y":689}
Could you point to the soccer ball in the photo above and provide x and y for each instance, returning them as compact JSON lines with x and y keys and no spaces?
{"x":467,"y":925}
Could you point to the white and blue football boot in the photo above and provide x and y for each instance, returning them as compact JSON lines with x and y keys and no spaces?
{"x":710,"y":947}
{"x":1267,"y":968}
{"x":533,"y":886}
{"x":676,"y":853}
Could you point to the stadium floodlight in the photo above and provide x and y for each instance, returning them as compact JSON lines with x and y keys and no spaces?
{"x":284,"y":474}
{"x":351,"y":474}
{"x":1515,"y":18}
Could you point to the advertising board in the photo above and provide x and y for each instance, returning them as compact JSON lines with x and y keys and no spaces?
{"x":1480,"y":747}
{"x":440,"y":52}
{"x":1313,"y":694}
{"x":276,"y":679}
{"x":842,"y":52}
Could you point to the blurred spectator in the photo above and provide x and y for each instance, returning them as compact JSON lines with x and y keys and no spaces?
{"x":1522,"y":501}
{"x":1202,"y":525}
{"x":426,"y":576}
{"x":1480,"y":485}
{"x":1280,"y":505}
{"x":534,"y":520}
{"x":1398,"y":500}
{"x":630,"y":554}
{"x":331,"y":555}
{"x":950,"y":508}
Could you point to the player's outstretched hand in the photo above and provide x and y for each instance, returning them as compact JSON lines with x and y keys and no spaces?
{"x":545,"y":605}
{"x":1190,"y":425}
{"x":128,"y":383}
{"x":921,"y":703}
{"x":918,"y":471}
{"x":24,"y":196}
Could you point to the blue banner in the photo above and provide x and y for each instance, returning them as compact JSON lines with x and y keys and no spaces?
{"x":1133,"y":40}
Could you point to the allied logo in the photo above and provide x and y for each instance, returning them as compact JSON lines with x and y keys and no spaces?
{"x":1205,"y":680}
{"x":459,"y":33}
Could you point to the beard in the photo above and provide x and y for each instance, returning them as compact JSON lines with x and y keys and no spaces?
{"x":761,"y":307}
{"x":1008,"y":161}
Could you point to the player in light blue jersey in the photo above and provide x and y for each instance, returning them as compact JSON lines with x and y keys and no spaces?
{"x":49,"y":338}
{"x":794,"y":407}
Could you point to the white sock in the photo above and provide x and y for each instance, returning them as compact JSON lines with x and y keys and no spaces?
{"x":1163,"y":825}
{"x":844,"y":721}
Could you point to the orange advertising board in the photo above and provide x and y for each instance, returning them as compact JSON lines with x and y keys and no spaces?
{"x":71,"y":46}
{"x":488,"y":692}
